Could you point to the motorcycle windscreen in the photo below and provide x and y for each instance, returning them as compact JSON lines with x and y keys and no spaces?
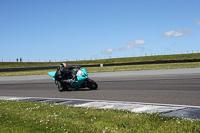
{"x":84,"y":72}
{"x":52,"y":74}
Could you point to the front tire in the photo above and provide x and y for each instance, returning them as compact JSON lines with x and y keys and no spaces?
{"x":91,"y":84}
{"x":61,"y":87}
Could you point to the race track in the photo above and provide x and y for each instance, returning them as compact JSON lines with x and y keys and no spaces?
{"x":177,"y":86}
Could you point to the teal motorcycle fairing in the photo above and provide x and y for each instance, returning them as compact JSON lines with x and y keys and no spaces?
{"x":52,"y":74}
{"x":76,"y":83}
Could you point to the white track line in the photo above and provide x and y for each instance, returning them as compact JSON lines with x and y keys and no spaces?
{"x":137,"y":107}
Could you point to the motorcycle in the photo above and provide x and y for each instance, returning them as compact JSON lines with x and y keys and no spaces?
{"x":80,"y":81}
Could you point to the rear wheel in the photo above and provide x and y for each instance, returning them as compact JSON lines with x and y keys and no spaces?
{"x":91,"y":84}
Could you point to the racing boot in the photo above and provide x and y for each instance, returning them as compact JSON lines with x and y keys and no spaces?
{"x":60,"y":87}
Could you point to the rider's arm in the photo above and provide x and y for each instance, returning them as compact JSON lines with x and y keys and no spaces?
{"x":58,"y":74}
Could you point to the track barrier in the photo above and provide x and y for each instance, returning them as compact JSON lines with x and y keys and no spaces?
{"x":99,"y":65}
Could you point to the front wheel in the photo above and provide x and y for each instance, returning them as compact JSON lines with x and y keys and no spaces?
{"x":91,"y":84}
{"x":61,"y":87}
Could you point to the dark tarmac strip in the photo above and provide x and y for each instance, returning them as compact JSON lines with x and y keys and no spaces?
{"x":170,"y":87}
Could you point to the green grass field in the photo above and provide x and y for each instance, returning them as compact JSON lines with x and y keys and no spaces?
{"x":18,"y":117}
{"x":103,"y":61}
{"x":106,"y":61}
{"x":111,"y":68}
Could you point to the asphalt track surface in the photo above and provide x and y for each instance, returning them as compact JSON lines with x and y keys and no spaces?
{"x":176,"y":86}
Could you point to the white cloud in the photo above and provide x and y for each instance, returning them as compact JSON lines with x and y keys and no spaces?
{"x":178,"y":33}
{"x":139,"y":42}
{"x":131,"y":45}
{"x":174,"y":33}
{"x":107,"y":51}
{"x":197,"y":22}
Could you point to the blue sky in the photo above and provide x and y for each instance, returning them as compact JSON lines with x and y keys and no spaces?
{"x":43,"y":30}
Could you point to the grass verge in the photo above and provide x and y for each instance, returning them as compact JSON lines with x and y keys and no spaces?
{"x":112,"y":68}
{"x":103,"y":61}
{"x":44,"y":117}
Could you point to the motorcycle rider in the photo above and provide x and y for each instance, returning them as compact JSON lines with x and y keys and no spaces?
{"x":66,"y":73}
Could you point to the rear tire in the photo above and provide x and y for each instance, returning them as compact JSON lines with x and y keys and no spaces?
{"x":91,"y":84}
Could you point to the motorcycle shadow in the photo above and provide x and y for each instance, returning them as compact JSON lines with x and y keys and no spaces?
{"x":80,"y":89}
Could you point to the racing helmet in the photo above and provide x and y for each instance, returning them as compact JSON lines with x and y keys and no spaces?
{"x":62,"y":66}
